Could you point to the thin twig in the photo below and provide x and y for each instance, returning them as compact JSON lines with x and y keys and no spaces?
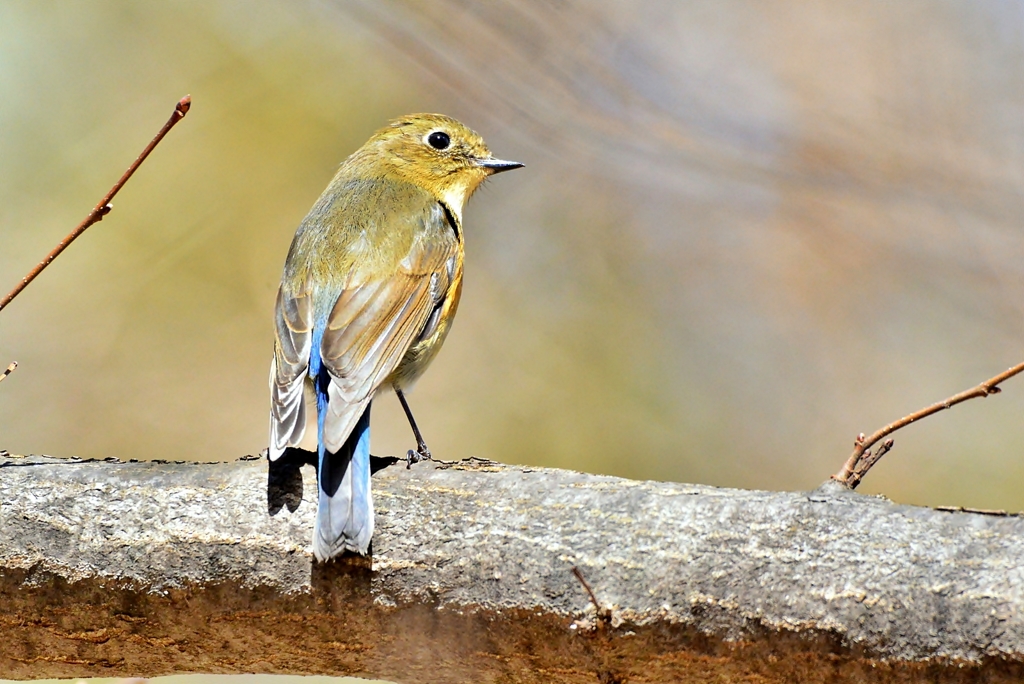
{"x":104,"y":206}
{"x":590,"y":592}
{"x":870,"y":459}
{"x":861,"y":460}
{"x":998,"y":513}
{"x":604,"y":615}
{"x":604,"y":666}
{"x":10,"y":369}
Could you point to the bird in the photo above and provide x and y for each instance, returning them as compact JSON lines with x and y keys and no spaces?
{"x":370,"y":286}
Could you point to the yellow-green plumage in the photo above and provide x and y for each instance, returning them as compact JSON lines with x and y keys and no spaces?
{"x":370,"y":286}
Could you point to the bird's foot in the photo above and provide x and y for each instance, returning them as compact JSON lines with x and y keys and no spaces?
{"x":421,"y":453}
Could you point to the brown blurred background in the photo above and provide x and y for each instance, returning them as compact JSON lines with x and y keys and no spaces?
{"x":746,"y":231}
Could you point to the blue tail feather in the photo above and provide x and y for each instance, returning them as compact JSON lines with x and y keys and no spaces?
{"x":344,"y":519}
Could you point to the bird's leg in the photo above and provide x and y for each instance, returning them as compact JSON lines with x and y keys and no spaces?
{"x":422,"y":453}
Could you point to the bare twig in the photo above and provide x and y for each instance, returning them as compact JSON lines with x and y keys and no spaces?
{"x":604,"y":666}
{"x":104,"y":206}
{"x":861,"y":460}
{"x":998,"y":513}
{"x":604,"y":615}
{"x":590,"y":592}
{"x":870,"y":459}
{"x":10,"y":369}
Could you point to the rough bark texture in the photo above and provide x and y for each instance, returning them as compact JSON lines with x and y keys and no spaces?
{"x":110,"y":568}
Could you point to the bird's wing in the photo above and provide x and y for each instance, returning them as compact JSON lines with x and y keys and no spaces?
{"x":294,"y":327}
{"x":376,"y":319}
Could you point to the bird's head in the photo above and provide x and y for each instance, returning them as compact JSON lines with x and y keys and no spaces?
{"x":436,"y":153}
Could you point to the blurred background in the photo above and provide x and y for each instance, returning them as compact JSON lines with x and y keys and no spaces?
{"x":745,"y":231}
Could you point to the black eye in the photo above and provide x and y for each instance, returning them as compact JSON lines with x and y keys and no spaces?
{"x":439,"y":140}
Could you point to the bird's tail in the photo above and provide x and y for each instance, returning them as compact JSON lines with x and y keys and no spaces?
{"x":344,"y":514}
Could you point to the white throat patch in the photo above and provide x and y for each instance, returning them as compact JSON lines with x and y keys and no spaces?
{"x":455,"y":197}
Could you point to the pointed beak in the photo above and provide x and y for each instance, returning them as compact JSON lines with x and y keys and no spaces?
{"x":498,"y":165}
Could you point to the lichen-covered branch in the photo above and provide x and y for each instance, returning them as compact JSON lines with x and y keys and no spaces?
{"x":111,"y":568}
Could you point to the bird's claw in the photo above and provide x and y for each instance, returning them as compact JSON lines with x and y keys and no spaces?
{"x":421,"y":453}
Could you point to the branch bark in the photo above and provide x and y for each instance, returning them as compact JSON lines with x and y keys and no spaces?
{"x":7,"y":371}
{"x":110,"y":568}
{"x":862,"y":460}
{"x":104,"y":206}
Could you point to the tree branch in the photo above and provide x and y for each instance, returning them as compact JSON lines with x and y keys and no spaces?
{"x":110,"y":568}
{"x":862,"y":460}
{"x":10,"y":369}
{"x":104,"y":206}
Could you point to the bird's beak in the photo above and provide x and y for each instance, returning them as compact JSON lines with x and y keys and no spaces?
{"x":498,"y":165}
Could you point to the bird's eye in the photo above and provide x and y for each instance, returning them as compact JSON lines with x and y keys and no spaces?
{"x":439,"y":140}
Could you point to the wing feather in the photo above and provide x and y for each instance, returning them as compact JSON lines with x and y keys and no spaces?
{"x":293,"y":318}
{"x":375,"y":321}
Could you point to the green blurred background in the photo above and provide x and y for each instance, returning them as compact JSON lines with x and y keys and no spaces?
{"x":746,"y":231}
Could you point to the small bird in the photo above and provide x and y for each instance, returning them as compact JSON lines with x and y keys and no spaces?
{"x":369,"y":290}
